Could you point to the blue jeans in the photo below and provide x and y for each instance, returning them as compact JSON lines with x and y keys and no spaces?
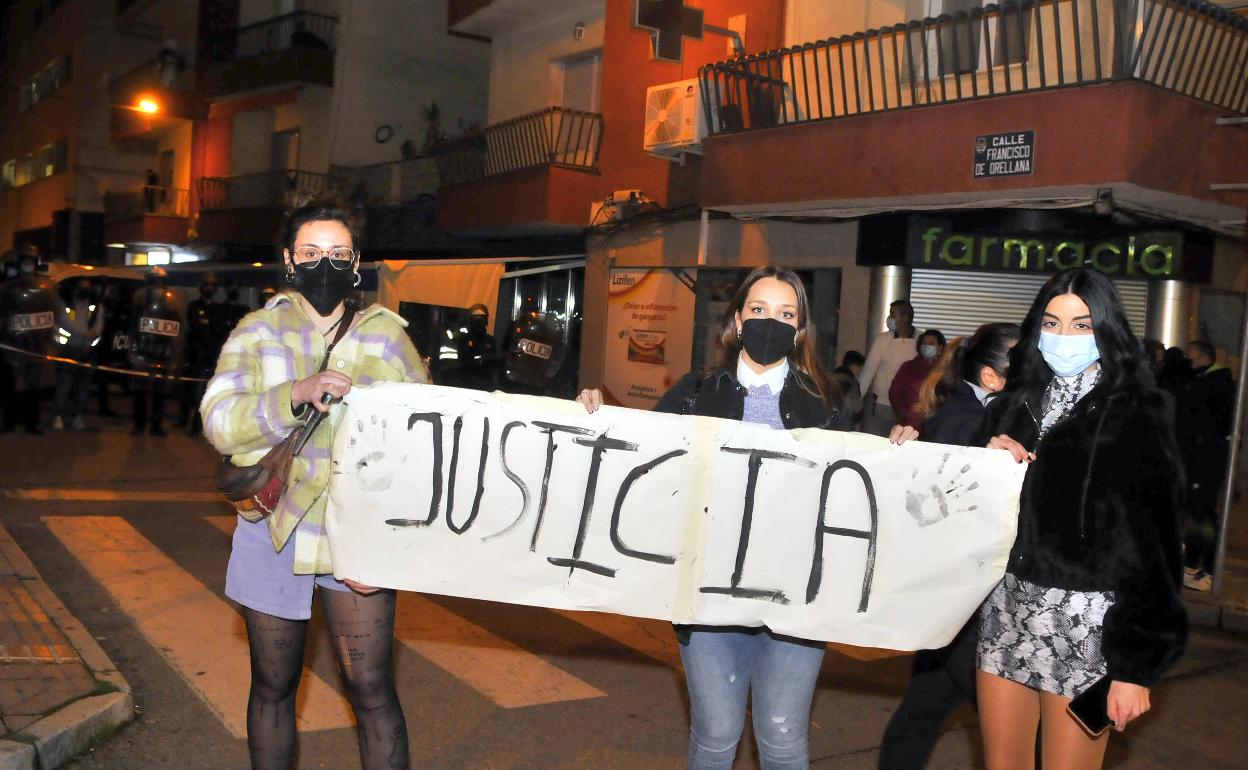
{"x":721,"y":667}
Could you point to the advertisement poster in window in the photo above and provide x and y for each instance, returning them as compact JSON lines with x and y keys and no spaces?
{"x":650,"y":316}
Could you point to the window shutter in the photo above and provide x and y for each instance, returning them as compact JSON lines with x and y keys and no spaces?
{"x":580,"y":83}
{"x":959,"y":302}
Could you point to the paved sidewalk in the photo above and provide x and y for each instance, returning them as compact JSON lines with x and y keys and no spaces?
{"x":59,"y":692}
{"x":1227,"y":609}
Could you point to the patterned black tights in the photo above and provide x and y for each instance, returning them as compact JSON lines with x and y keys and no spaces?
{"x":361,"y":631}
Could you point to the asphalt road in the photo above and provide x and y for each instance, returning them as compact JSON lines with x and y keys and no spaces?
{"x":483,"y":685}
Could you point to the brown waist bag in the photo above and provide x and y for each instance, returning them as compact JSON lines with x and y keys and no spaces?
{"x":254,"y":490}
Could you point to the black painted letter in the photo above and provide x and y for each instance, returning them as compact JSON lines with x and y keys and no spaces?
{"x":747,"y":519}
{"x":821,"y":529}
{"x":435,"y":422}
{"x":600,"y":445}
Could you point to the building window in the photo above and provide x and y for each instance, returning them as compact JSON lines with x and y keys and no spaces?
{"x":45,"y":82}
{"x":581,"y":83}
{"x":52,"y":158}
{"x":9,"y":176}
{"x":25,"y":170}
{"x":958,"y":47}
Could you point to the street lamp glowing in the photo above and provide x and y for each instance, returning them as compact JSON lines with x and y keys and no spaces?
{"x":149,"y":106}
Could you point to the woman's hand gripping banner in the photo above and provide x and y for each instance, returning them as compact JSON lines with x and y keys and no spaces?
{"x":815,"y":534}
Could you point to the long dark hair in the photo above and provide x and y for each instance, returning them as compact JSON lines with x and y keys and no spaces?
{"x":1121,"y":352}
{"x":804,"y":358}
{"x":964,"y":359}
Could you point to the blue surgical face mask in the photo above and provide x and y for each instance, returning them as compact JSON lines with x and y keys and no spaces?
{"x":1068,"y":354}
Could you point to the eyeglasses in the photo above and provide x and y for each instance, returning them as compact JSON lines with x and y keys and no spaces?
{"x":340,"y":258}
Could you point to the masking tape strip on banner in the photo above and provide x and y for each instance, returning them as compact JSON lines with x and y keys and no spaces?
{"x":104,"y":368}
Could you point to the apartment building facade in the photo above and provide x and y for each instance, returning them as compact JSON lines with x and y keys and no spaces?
{"x":186,"y":129}
{"x":949,"y":151}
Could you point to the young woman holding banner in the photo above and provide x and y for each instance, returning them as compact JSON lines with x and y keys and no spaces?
{"x":1091,"y":590}
{"x":274,"y":369}
{"x":951,"y":407}
{"x":769,"y":373}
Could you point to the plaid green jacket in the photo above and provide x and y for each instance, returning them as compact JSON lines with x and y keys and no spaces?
{"x":246,"y":407}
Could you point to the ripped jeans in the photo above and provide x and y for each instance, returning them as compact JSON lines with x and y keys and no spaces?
{"x":721,"y":668}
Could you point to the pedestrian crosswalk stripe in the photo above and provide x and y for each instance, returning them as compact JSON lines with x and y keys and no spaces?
{"x":110,"y":495}
{"x":652,"y":638}
{"x":198,"y":633}
{"x":502,"y":671}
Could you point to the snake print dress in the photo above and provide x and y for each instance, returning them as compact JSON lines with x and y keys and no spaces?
{"x":1048,"y":639}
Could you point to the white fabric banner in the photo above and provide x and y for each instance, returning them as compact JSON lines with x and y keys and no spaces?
{"x":815,"y":534}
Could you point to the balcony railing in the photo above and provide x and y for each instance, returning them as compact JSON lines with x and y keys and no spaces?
{"x":1187,"y":46}
{"x":553,"y":136}
{"x":294,"y":30}
{"x":152,"y":74}
{"x":281,"y":189}
{"x":400,"y":182}
{"x":156,"y":201}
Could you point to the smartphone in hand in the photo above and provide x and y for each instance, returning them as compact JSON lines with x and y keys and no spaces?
{"x":1090,"y":708}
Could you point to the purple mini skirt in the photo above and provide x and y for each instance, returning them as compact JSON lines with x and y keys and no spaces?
{"x":260,"y":579}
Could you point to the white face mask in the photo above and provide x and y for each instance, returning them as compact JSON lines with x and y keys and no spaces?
{"x":1068,"y":354}
{"x":891,"y":323}
{"x":929,"y":351}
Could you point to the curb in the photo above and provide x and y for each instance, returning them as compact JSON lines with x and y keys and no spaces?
{"x":76,"y":726}
{"x":1209,"y":613}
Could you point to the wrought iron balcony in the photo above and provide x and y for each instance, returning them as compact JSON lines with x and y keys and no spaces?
{"x":272,"y":189}
{"x":403,"y":181}
{"x":149,"y":200}
{"x":294,"y":30}
{"x":551,"y":137}
{"x":294,"y":48}
{"x":1190,"y":47}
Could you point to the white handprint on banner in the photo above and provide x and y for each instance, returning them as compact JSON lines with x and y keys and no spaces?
{"x":933,"y":493}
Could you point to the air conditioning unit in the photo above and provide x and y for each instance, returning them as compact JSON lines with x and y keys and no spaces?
{"x":675,"y":119}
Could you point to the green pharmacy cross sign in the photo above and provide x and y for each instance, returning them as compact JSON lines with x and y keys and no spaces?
{"x":670,"y":21}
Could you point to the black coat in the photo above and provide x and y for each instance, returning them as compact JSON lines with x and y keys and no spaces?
{"x":1101,"y":508}
{"x":1204,"y":411}
{"x":718,"y":394}
{"x":957,"y":421}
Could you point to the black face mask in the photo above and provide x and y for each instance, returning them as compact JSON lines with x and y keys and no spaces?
{"x":478,"y":323}
{"x":767,"y":340}
{"x":323,"y":286}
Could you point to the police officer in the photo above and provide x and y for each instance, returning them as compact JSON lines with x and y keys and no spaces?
{"x":535,"y":352}
{"x":232,"y":311}
{"x":28,"y":306}
{"x":477,"y":352}
{"x":79,"y":325}
{"x":156,"y":342}
{"x":205,"y":335}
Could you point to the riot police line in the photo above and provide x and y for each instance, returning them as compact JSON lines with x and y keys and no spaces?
{"x":91,"y":329}
{"x":96,"y":367}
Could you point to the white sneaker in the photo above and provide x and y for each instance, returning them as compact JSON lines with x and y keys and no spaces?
{"x":58,"y":423}
{"x":1198,"y":582}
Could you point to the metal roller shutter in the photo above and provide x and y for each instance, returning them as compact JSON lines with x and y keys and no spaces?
{"x":957,"y":303}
